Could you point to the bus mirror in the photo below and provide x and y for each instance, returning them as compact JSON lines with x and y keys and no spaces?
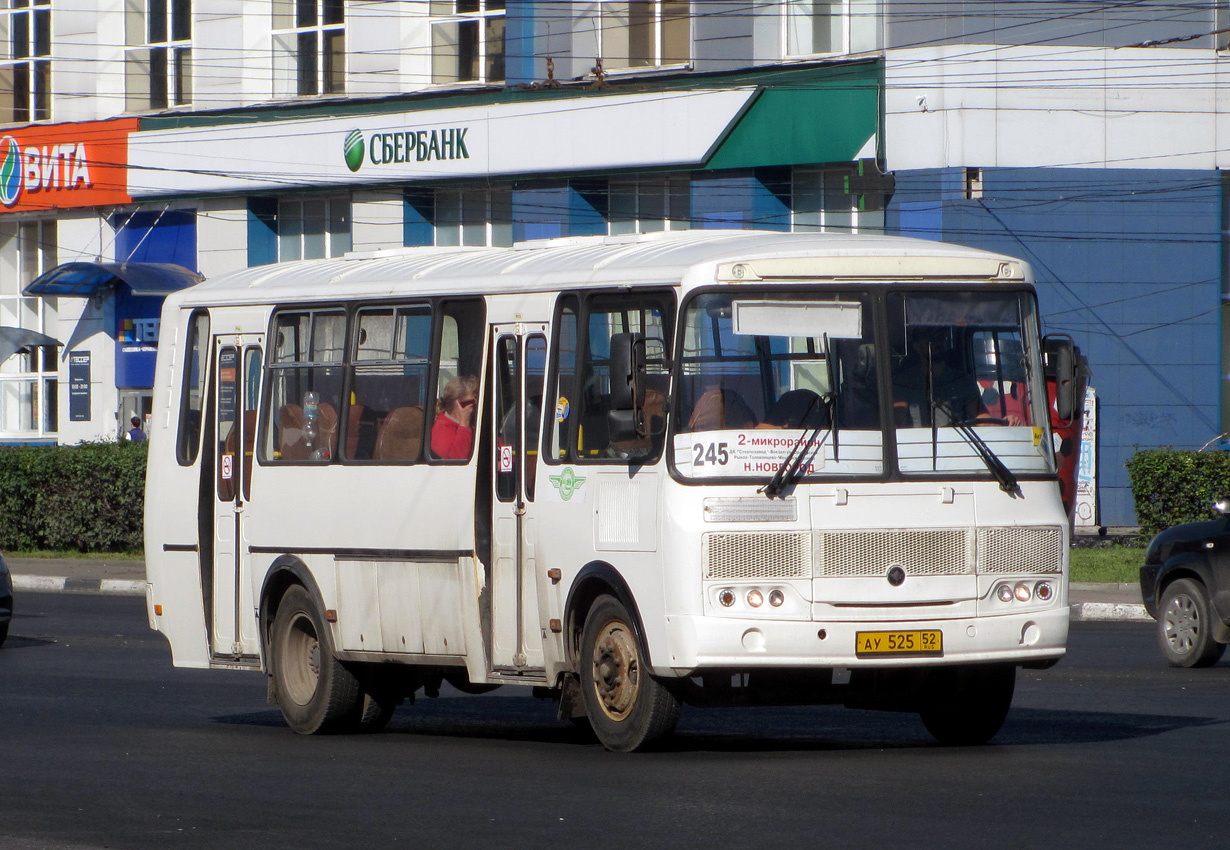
{"x":627,"y":371}
{"x":1066,"y":370}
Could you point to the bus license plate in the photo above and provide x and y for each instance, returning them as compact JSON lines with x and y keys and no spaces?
{"x":924,"y":642}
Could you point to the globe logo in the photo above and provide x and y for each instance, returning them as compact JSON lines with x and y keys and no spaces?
{"x":10,"y":171}
{"x":353,"y":149}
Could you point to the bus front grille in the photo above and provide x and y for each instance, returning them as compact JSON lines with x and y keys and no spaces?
{"x":757,"y":555}
{"x":873,"y":552}
{"x":1020,"y":550}
{"x":920,"y":552}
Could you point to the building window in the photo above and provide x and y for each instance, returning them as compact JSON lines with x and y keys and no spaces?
{"x":467,"y":41}
{"x":479,"y":217}
{"x":838,"y":26}
{"x":644,"y":34}
{"x":821,"y":202}
{"x":158,"y":67}
{"x":1221,"y":26}
{"x":309,"y":44}
{"x":25,"y":63}
{"x":647,"y":205}
{"x":313,"y":228}
{"x":29,"y":385}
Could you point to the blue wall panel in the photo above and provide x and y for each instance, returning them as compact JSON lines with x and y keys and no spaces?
{"x":1128,"y":263}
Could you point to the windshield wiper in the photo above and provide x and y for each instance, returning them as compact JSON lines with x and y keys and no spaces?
{"x":1007,"y":481}
{"x":788,"y":472}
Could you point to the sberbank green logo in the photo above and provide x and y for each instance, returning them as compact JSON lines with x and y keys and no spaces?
{"x":567,"y":482}
{"x":354,"y":149}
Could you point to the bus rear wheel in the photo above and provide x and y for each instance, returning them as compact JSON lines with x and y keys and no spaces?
{"x":315,"y":691}
{"x":966,"y":706}
{"x":627,"y":707}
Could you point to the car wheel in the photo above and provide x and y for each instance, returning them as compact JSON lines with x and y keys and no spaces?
{"x":966,"y":706}
{"x":1185,"y":626}
{"x":315,"y":691}
{"x":627,"y":707}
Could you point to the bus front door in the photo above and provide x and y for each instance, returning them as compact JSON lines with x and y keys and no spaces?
{"x":237,"y":360}
{"x":519,"y":356}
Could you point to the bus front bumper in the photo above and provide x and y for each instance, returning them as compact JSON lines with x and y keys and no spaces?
{"x":697,"y":643}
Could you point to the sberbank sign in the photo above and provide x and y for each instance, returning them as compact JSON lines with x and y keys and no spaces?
{"x":405,"y":146}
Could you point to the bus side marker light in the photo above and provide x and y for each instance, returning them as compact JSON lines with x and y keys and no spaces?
{"x":158,"y":610}
{"x":556,"y":626}
{"x":555,"y":575}
{"x":331,"y":615}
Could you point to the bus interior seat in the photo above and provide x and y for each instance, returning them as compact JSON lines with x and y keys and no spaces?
{"x":719,"y":409}
{"x":291,"y":443}
{"x":654,"y":412}
{"x":400,"y":435}
{"x":326,"y":430}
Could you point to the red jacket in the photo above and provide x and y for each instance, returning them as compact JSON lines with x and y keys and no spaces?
{"x":451,"y":439}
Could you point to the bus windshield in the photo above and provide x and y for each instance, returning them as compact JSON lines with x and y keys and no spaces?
{"x":963,"y":360}
{"x":764,"y":374}
{"x":768,"y":378}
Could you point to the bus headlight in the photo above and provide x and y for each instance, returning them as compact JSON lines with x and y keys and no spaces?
{"x":1023,"y":592}
{"x":726,"y":597}
{"x":777,"y":598}
{"x":1044,"y":591}
{"x":755,"y":598}
{"x":1004,"y":593}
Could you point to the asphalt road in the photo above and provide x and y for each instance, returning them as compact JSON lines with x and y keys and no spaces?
{"x":104,"y":744}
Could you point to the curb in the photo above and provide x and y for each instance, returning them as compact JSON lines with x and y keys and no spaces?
{"x":62,"y":584}
{"x":1123,"y":612}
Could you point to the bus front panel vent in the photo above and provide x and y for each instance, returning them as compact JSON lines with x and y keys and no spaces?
{"x":1021,"y":549}
{"x":757,"y":555}
{"x":920,"y":552}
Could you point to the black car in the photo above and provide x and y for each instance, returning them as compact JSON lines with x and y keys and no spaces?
{"x":6,"y":600}
{"x":1185,"y":585}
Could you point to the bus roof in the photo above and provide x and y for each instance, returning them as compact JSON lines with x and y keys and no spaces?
{"x":692,"y":258}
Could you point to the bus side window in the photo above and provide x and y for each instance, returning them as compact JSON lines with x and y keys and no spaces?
{"x":192,"y":400}
{"x":388,"y":388}
{"x":305,"y":387}
{"x":584,"y":385}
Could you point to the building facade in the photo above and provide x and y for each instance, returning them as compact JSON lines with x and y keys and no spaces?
{"x":219,"y":134}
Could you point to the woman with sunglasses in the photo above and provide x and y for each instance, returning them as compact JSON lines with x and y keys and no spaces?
{"x":452,"y":435}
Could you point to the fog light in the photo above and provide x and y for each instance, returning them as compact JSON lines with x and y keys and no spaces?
{"x":755,"y":598}
{"x":726,"y":597}
{"x":1022,"y":592}
{"x":777,"y":598}
{"x":1004,"y":592}
{"x":1043,"y":591}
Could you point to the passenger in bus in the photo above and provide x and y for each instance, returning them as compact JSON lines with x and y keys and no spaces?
{"x":452,"y":434}
{"x":950,"y":389}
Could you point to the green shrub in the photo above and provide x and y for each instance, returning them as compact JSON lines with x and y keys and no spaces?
{"x":1171,"y":487}
{"x":87,"y":497}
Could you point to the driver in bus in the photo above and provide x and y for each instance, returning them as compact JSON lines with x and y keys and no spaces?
{"x":452,"y":434}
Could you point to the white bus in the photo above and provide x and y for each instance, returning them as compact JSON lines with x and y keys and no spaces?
{"x":713,"y":468}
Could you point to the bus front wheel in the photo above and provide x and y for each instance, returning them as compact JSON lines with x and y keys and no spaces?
{"x":965,"y":706}
{"x":315,"y":691}
{"x":627,"y":707}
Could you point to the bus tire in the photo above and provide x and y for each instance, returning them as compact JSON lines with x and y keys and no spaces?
{"x":628,"y":708}
{"x":1185,"y":626}
{"x":315,"y":691}
{"x":966,"y":706}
